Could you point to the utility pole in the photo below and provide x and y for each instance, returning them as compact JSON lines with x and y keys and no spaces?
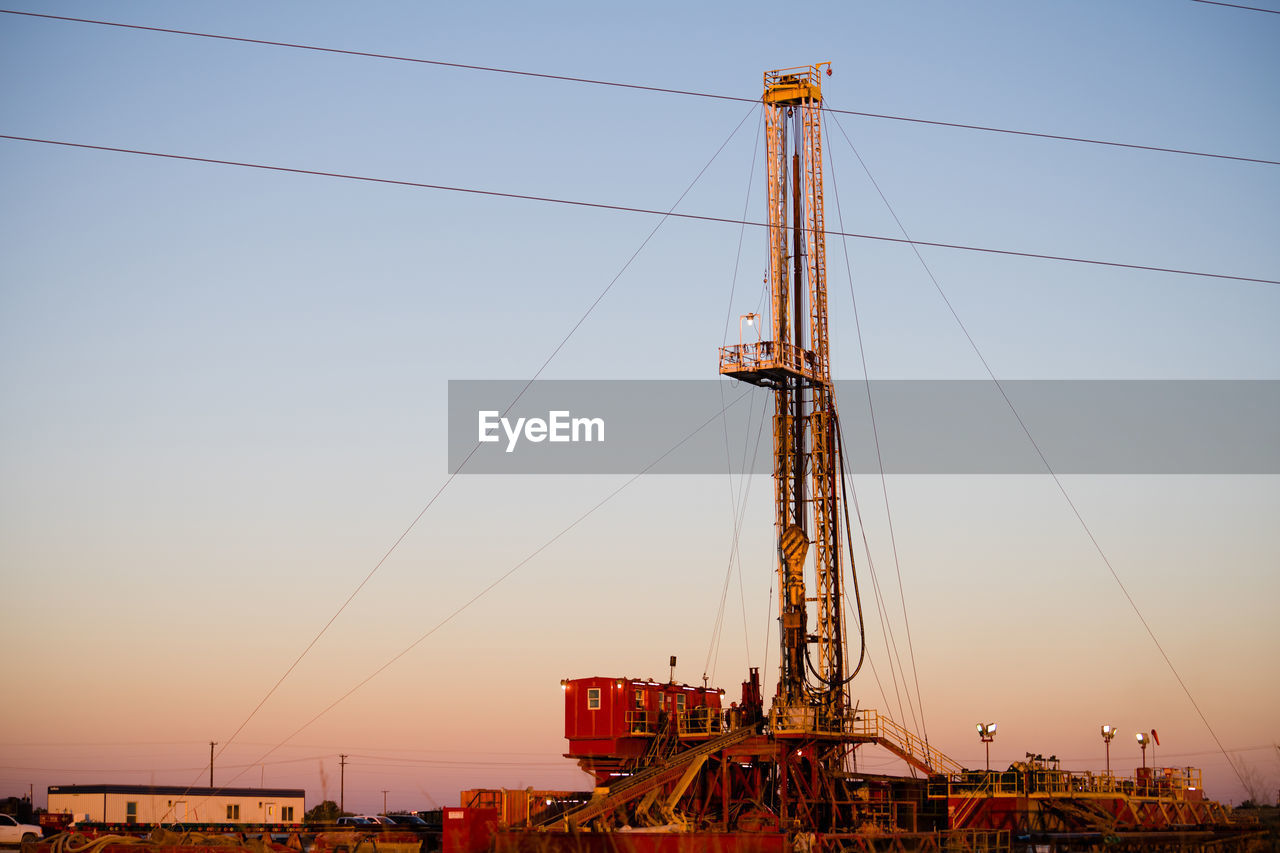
{"x":384,"y":801}
{"x":212,"y":744}
{"x":342,"y":782}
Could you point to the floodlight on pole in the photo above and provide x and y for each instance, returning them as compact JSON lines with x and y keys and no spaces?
{"x":1143,"y":740}
{"x":1108,"y":732}
{"x":987,"y":733}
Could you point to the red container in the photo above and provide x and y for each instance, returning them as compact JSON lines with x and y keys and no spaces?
{"x":468,"y":830}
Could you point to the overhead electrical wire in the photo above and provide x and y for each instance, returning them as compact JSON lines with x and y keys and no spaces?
{"x":884,"y":486}
{"x":448,"y":481}
{"x":744,"y":222}
{"x":631,"y":209}
{"x":737,"y":511}
{"x":1062,"y":489}
{"x":659,"y":89}
{"x":501,"y":578}
{"x":1238,"y":6}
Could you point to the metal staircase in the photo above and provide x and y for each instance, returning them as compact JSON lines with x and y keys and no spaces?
{"x":651,"y":779}
{"x":872,"y":726}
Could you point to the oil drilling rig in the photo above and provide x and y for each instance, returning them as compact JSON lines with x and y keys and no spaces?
{"x":671,"y":754}
{"x":677,"y":770}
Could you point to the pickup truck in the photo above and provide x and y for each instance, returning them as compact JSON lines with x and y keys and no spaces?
{"x":13,"y":832}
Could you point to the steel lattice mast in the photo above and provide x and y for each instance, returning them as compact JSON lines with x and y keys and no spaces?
{"x":794,"y":363}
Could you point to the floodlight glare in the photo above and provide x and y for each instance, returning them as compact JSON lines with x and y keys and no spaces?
{"x":987,"y":733}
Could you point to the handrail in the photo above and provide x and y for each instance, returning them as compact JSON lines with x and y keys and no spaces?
{"x":770,"y":356}
{"x":699,"y":720}
{"x":1169,"y":783}
{"x":871,"y":724}
{"x":634,"y":786}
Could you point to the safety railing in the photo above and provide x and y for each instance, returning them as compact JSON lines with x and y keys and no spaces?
{"x":699,"y":721}
{"x":794,"y":85}
{"x":803,"y":74}
{"x":1175,"y":783}
{"x":801,"y":718}
{"x":769,"y":357}
{"x":945,"y":841}
{"x":641,"y":723}
{"x":983,"y":783}
{"x":689,"y":723}
{"x":871,"y":724}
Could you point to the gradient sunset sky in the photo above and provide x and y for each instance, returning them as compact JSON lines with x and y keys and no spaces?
{"x":224,"y":389}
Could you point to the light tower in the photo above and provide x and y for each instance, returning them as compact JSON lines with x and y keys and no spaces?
{"x":1108,"y":732}
{"x":987,"y":733}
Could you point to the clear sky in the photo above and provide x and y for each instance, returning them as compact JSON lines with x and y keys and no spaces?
{"x":224,"y":389}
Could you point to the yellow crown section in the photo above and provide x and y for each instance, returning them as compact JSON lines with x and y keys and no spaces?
{"x":795,"y":85}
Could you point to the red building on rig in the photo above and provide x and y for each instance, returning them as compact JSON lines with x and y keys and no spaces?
{"x":615,"y":724}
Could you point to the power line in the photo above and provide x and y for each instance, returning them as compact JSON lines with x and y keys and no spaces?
{"x":639,"y":87}
{"x":1057,"y":480}
{"x":388,"y":56}
{"x":1059,"y":137}
{"x":629,"y":209}
{"x":1237,"y":6}
{"x":884,"y":486}
{"x":467,"y":458}
{"x":503,"y":577}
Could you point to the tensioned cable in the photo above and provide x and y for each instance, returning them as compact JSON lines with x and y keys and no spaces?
{"x":448,"y":481}
{"x":660,"y":89}
{"x":1052,"y":473}
{"x":1237,"y":6}
{"x":500,"y":579}
{"x":890,"y":641}
{"x":714,"y":647}
{"x":848,"y":535}
{"x":397,"y":761}
{"x":866,"y":548}
{"x":202,"y":769}
{"x":630,"y":209}
{"x":735,"y":557}
{"x":884,"y":486}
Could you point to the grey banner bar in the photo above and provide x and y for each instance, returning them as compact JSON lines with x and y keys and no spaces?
{"x":924,"y":427}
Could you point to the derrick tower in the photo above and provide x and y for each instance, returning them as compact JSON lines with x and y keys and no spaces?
{"x":793,"y":362}
{"x":668,"y":759}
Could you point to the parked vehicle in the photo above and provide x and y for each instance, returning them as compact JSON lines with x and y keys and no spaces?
{"x":13,"y":832}
{"x":411,"y":821}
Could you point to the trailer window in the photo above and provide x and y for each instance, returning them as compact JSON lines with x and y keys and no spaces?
{"x":593,"y":698}
{"x":131,"y":812}
{"x":233,"y":812}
